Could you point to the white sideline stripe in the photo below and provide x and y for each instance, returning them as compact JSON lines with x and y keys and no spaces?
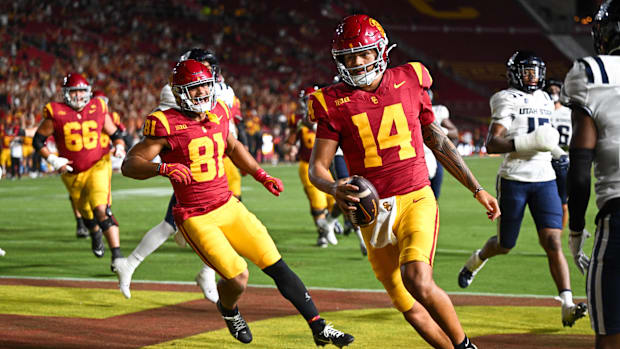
{"x":512,"y":253}
{"x":509,"y":295}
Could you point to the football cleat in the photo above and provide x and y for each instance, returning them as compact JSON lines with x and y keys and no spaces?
{"x":572,"y":313}
{"x":124,"y":273}
{"x":237,"y":326}
{"x":206,"y":281}
{"x":96,"y":243}
{"x":330,"y":335}
{"x":2,"y":252}
{"x":470,"y":269}
{"x":81,"y":232}
{"x":338,"y":228}
{"x":348,"y":227}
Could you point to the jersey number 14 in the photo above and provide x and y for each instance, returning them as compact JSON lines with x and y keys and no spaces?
{"x":393,"y":115}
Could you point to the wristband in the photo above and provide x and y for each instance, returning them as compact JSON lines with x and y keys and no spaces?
{"x":479,"y":189}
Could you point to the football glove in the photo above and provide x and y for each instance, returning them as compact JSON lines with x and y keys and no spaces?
{"x":58,"y":163}
{"x":119,"y":151}
{"x":544,"y":138}
{"x":273,"y":184}
{"x":575,"y":242}
{"x":178,"y":173}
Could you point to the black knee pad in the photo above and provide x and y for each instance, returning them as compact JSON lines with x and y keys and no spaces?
{"x":316,"y":213}
{"x":108,"y":212}
{"x":91,"y":224}
{"x":107,"y":223}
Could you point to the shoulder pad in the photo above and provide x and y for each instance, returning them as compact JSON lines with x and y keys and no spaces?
{"x":157,"y":125}
{"x":103,"y":104}
{"x":225,"y":107}
{"x":424,"y":77}
{"x":48,"y":111}
{"x":503,"y":103}
{"x":575,"y":89}
{"x":317,"y":107}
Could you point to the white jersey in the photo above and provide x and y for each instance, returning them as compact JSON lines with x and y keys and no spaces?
{"x":441,"y":113}
{"x":593,"y":84}
{"x":521,"y":113}
{"x":561,"y":121}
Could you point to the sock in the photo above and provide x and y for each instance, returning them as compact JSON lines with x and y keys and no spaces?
{"x":151,"y":241}
{"x":292,"y":288}
{"x":227,"y":312}
{"x":80,"y":222}
{"x":116,"y":253}
{"x":567,"y":297}
{"x":317,"y":324}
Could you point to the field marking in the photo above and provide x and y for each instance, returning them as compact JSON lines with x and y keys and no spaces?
{"x":485,"y":294}
{"x":512,"y":253}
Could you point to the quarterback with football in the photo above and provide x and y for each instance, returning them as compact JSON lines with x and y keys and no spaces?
{"x":192,"y":142}
{"x":385,"y":115}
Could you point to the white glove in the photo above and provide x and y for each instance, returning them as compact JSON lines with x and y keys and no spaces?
{"x":557,"y":152}
{"x":544,"y":138}
{"x":119,"y":151}
{"x":58,"y":163}
{"x":575,"y":242}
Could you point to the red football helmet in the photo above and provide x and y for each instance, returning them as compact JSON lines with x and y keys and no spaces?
{"x":303,"y":98}
{"x":75,"y":82}
{"x":188,"y":74}
{"x":359,"y":33}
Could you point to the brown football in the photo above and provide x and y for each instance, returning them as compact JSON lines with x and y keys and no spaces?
{"x":368,"y":206}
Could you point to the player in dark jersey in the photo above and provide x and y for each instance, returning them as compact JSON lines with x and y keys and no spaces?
{"x":191,"y":143}
{"x":379,"y":118}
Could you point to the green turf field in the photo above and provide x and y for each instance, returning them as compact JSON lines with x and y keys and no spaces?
{"x":38,"y":232}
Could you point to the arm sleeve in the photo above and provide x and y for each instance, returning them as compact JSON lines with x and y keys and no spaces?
{"x":579,"y":186}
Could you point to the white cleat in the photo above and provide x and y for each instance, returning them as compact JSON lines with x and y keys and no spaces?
{"x":2,"y":252}
{"x":206,"y":281}
{"x":329,"y":230}
{"x":124,"y":273}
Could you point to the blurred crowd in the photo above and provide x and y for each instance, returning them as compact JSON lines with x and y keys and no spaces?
{"x":127,"y":50}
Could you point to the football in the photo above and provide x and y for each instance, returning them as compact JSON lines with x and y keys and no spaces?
{"x":367,"y":208}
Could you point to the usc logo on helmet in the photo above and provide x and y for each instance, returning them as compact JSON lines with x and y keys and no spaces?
{"x":376,"y":24}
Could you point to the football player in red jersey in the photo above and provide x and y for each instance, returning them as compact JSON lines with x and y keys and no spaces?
{"x":321,"y":203}
{"x":191,"y":142}
{"x":77,"y":126}
{"x":381,"y":117}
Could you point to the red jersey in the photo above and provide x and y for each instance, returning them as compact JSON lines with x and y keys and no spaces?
{"x":199,"y":145}
{"x":78,"y":134}
{"x":305,"y":135}
{"x":380,"y":132}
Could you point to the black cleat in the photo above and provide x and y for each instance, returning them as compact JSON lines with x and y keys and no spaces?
{"x":330,"y":335}
{"x":237,"y":326}
{"x":81,"y":232}
{"x":96,"y":243}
